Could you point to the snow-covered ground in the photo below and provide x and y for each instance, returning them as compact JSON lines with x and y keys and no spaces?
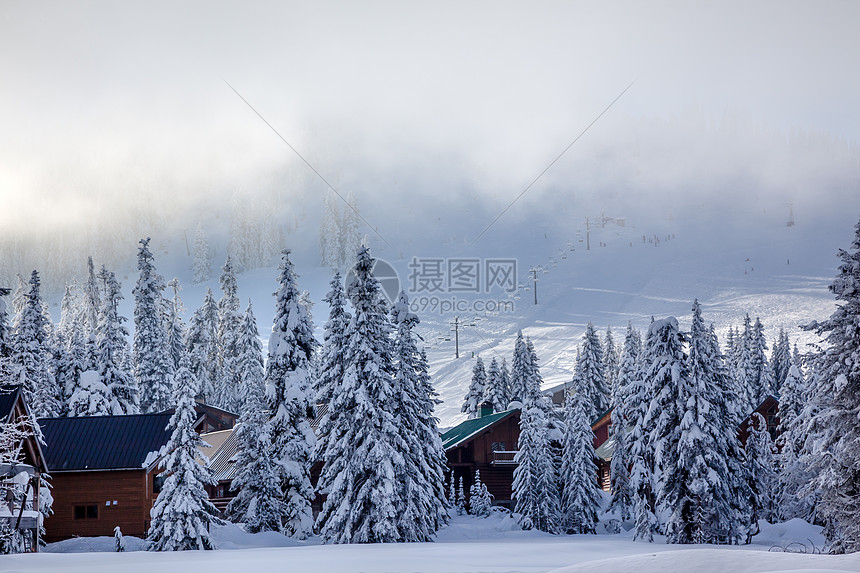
{"x":467,"y":545}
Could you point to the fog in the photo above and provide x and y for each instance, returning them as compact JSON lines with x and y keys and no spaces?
{"x":118,"y":121}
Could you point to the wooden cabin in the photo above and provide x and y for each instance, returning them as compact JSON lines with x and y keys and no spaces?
{"x":22,"y":463}
{"x":769,"y":409}
{"x":105,"y":469}
{"x":603,"y":439}
{"x":488,"y":444}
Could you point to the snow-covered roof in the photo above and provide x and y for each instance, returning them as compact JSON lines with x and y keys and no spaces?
{"x":465,"y":431}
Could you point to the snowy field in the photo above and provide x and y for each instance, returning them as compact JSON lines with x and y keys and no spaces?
{"x":467,"y":545}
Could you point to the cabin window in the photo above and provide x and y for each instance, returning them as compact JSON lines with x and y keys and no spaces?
{"x":158,"y":483}
{"x":498,"y":447}
{"x":86,"y":512}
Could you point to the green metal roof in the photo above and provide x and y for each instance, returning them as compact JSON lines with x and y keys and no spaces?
{"x":470,"y":428}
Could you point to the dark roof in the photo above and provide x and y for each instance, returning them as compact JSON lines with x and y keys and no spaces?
{"x":465,"y":431}
{"x":103,"y":442}
{"x":9,"y":394}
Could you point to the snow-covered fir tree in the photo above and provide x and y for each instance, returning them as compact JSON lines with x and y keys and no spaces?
{"x":33,"y":354}
{"x":201,"y":268}
{"x":611,"y":362}
{"x":780,"y":359}
{"x":361,"y":454}
{"x":477,"y":387}
{"x":480,"y":499}
{"x":251,"y":367}
{"x":259,"y":502}
{"x":535,"y":486}
{"x":496,"y":391}
{"x":153,"y":367}
{"x":331,"y":254}
{"x":331,"y":366}
{"x":182,"y":512}
{"x":460,"y":503}
{"x":505,"y":381}
{"x":519,"y":370}
{"x":19,"y":301}
{"x":834,"y":432}
{"x":290,"y":399}
{"x":761,"y":472}
{"x":229,"y":329}
{"x":91,"y":300}
{"x":763,"y":373}
{"x":581,"y":495}
{"x":202,"y":345}
{"x":696,"y":483}
{"x":423,"y":487}
{"x":174,"y":326}
{"x":793,"y":475}
{"x":589,"y":369}
{"x":621,"y":487}
{"x":112,"y":349}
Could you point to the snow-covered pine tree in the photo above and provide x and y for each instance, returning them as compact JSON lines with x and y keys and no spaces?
{"x":259,"y":503}
{"x":153,"y":368}
{"x":621,"y":487}
{"x":19,"y":301}
{"x":589,"y":368}
{"x":611,"y":362}
{"x":112,"y":349}
{"x":505,"y":382}
{"x":331,"y":366}
{"x":535,"y":487}
{"x":203,"y":347}
{"x":69,"y":311}
{"x":763,"y":374}
{"x":780,"y":359}
{"x":173,"y":324}
{"x":794,"y":475}
{"x":480,"y":499}
{"x":519,"y":370}
{"x":33,"y":354}
{"x":581,"y":496}
{"x":495,"y":392}
{"x":744,"y":367}
{"x":361,"y":458}
{"x":182,"y":512}
{"x":415,"y":399}
{"x":834,"y":433}
{"x":696,"y":482}
{"x":475,"y":395}
{"x":118,"y":541}
{"x":201,"y":268}
{"x":251,"y":367}
{"x":761,"y":472}
{"x":350,"y":236}
{"x":461,"y":498}
{"x":330,"y":249}
{"x":229,"y":329}
{"x":289,"y":396}
{"x":91,"y":300}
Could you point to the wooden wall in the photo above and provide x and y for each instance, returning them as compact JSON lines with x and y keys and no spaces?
{"x":131,"y":489}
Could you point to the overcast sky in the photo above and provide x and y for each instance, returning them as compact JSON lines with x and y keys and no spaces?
{"x":102,"y":102}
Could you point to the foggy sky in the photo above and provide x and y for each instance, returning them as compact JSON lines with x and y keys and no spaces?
{"x":108,"y":107}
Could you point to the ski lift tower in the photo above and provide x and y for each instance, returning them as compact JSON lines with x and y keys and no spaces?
{"x":790,"y":222}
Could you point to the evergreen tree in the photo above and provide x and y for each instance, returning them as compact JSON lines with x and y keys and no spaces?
{"x":793,"y":475}
{"x":697,"y":489}
{"x":174,"y":326}
{"x":834,"y":432}
{"x":581,"y":496}
{"x":423,"y":483}
{"x":480,"y":499}
{"x":611,"y":362}
{"x":763,"y":375}
{"x":623,"y":500}
{"x":761,"y":472}
{"x":362,"y":458}
{"x":496,"y":392}
{"x":202,"y":266}
{"x":519,"y":370}
{"x":291,"y":402}
{"x":153,"y":368}
{"x":251,"y":368}
{"x":589,"y":369}
{"x":33,"y":354}
{"x":229,"y":329}
{"x":350,"y":237}
{"x":182,"y":511}
{"x":92,"y":300}
{"x":535,"y":487}
{"x":461,"y":499}
{"x":203,"y":347}
{"x":505,"y":382}
{"x":780,"y":359}
{"x":259,"y":502}
{"x":112,"y":348}
{"x":334,"y":343}
{"x":472,"y":404}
